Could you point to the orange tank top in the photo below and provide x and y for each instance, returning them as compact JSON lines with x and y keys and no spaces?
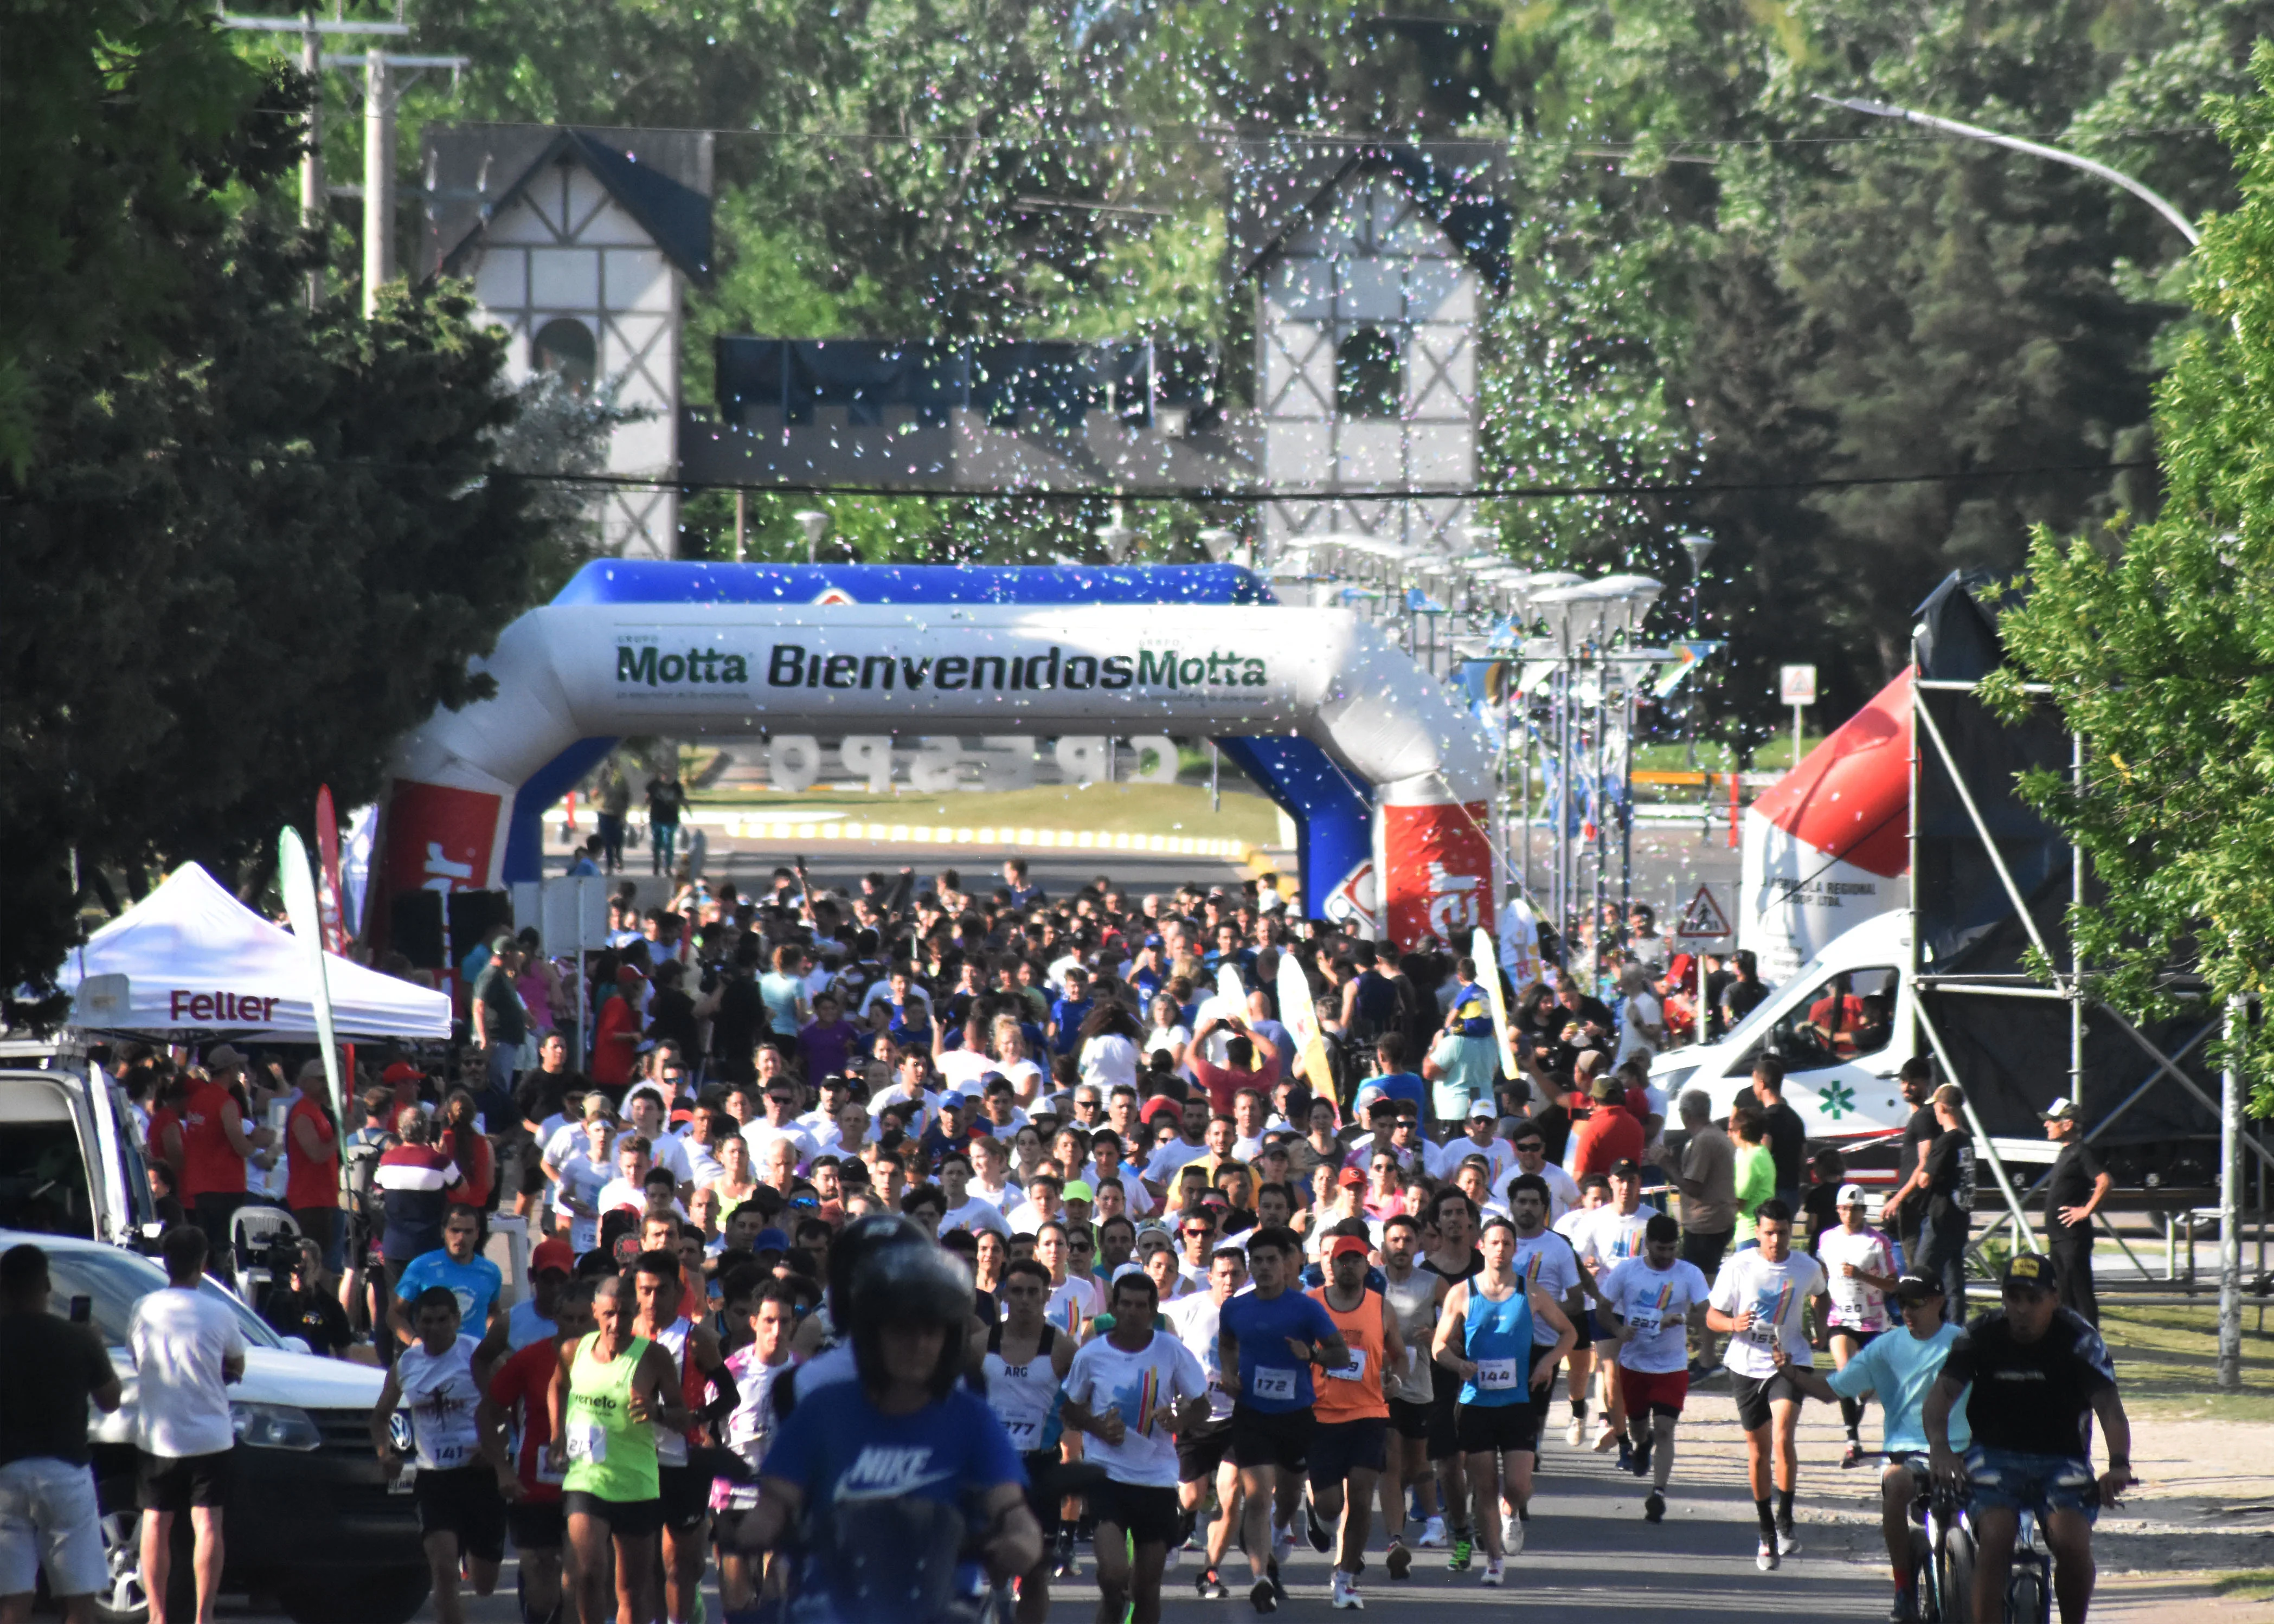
{"x":1354,"y":1391}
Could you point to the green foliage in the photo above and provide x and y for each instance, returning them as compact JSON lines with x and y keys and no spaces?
{"x":2160,"y":650}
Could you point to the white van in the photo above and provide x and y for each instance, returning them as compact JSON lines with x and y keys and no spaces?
{"x":1842,"y":1024}
{"x":71,"y":1152}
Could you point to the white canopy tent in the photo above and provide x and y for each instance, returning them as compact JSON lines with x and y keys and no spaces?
{"x":190,"y":960}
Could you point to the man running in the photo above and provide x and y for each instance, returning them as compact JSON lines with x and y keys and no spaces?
{"x":1760,"y":1299}
{"x":770,"y":1316}
{"x":2041,"y":1376}
{"x":460,"y":1514}
{"x":1349,"y":1448}
{"x":1547,"y":1263}
{"x":658,"y":1289}
{"x":1859,"y":1265}
{"x":1267,"y":1340}
{"x":1203,"y":1451}
{"x":1025,"y":1364}
{"x":1648,"y":1298}
{"x":1452,"y":1258}
{"x":1606,"y":1236}
{"x":1413,"y":1294}
{"x":610,"y":1391}
{"x":1132,"y":1391}
{"x":1899,"y":1369}
{"x":517,"y":1407}
{"x":1485,"y":1337}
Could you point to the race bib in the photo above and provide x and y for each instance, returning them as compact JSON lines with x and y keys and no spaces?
{"x":1355,"y":1371}
{"x":1761,"y":1333}
{"x":1496,"y":1375}
{"x":405,"y":1481}
{"x":1025,"y":1436}
{"x":447,"y":1455}
{"x":1273,"y":1382}
{"x":1645,"y":1324}
{"x":588,"y":1443}
{"x":544,"y":1472}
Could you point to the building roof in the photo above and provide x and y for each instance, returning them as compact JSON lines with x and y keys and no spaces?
{"x":1280,"y":187}
{"x":661,"y":178}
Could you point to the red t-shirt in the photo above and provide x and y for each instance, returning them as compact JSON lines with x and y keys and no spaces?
{"x":154,"y":1145}
{"x":311,"y":1184}
{"x":1223,"y":1082}
{"x":522,"y":1388}
{"x":1609,"y":1134}
{"x":210,"y":1164}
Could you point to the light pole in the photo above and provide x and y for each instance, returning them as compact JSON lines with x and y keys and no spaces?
{"x":815,"y":523}
{"x":1699,"y":548}
{"x":2156,"y":200}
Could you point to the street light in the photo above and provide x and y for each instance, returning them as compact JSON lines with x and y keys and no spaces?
{"x":815,"y":523}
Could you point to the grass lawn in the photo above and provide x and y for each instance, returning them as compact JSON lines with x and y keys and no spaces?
{"x":2256,"y":1585}
{"x":2167,"y":1361}
{"x":1115,"y":809}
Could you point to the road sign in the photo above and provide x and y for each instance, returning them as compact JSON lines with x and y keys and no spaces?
{"x":1796,"y":685}
{"x":1702,"y":918}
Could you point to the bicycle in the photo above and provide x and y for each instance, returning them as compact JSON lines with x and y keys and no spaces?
{"x":1943,"y":1556}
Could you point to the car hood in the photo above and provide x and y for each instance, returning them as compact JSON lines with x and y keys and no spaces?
{"x":272,"y":1376}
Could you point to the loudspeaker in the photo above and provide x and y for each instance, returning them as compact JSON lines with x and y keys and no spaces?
{"x":414,"y":927}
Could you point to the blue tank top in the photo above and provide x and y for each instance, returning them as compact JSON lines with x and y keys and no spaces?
{"x":1498,"y":1337}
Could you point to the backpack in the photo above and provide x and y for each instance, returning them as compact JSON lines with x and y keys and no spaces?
{"x":367,"y":1202}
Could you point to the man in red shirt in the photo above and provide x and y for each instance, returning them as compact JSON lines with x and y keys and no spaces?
{"x":215,"y":1147}
{"x":1254,"y":1063}
{"x":516,"y":1406}
{"x":1608,"y":1134}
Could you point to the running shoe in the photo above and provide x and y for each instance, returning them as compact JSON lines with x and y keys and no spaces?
{"x":1788,"y":1540}
{"x":1343,"y":1595}
{"x":1433,"y":1535}
{"x":1641,"y":1467}
{"x":1511,"y":1536}
{"x":1282,"y":1543}
{"x":1577,"y":1430}
{"x":1271,"y":1572}
{"x":1607,"y":1435}
{"x":1400,"y":1561}
{"x":1906,"y":1609}
{"x":1262,"y":1598}
{"x":1765,"y":1559}
{"x":1209,"y":1584}
{"x":1321,"y":1537}
{"x":1853,"y":1456}
{"x":1064,"y":1566}
{"x":1169,"y":1563}
{"x":1464,"y":1547}
{"x":1653,"y":1507}
{"x":1492,"y":1571}
{"x":1626,"y":1452}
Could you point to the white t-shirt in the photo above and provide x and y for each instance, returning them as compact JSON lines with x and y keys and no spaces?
{"x":1639,"y":1011}
{"x":666,"y":1151}
{"x":1074,"y":1304}
{"x":1195,"y":1319}
{"x":1547,"y":1262}
{"x":1109,"y":1061}
{"x":924,"y":1099}
{"x":1856,"y":1305}
{"x":976,"y":1213}
{"x":1171,"y":1158}
{"x":961,"y":1069}
{"x":440,"y":1392}
{"x":759,"y":1134}
{"x":1445,"y":1160}
{"x":1777,"y":1294}
{"x":1658,"y":1306}
{"x":1607,"y":1237}
{"x":1563,"y":1190}
{"x":177,"y":1339}
{"x":1105,"y":1377}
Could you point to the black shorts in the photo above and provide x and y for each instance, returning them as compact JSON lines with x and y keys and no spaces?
{"x":1148,"y":1514}
{"x":537,"y":1524}
{"x":685,"y":1492}
{"x":1409,"y":1419}
{"x":462,"y":1501}
{"x":1271,"y":1437}
{"x":1200,"y":1454}
{"x":1862,"y":1339}
{"x":1340,"y":1447}
{"x":627,"y":1519}
{"x":1584,"y":1326}
{"x":1755,"y":1395}
{"x":1543,"y":1403}
{"x":178,"y":1482}
{"x":1040,"y":1464}
{"x":1508,"y":1428}
{"x":1444,"y":1407}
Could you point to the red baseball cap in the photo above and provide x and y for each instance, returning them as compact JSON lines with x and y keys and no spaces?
{"x":1351,"y":1175}
{"x":1158,"y":1104}
{"x":553,"y":1253}
{"x":1347,"y":1244}
{"x":401,"y":1071}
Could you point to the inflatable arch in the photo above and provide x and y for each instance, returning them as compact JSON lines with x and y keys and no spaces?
{"x":1386,"y":778}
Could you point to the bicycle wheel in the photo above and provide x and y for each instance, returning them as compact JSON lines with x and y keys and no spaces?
{"x":1955,"y":1576}
{"x":1923,"y":1574}
{"x":2029,"y":1599}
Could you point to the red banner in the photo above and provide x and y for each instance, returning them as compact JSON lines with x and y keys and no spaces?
{"x":432,"y":837}
{"x":331,"y":896}
{"x":1438,"y":880}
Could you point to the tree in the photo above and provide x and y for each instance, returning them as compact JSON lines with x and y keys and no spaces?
{"x":2157,"y":643}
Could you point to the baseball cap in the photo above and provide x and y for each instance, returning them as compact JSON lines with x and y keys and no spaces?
{"x":1351,"y":1175}
{"x":1348,"y":1243}
{"x":401,"y":1071}
{"x":770,"y":1240}
{"x":1625,"y":1168}
{"x":1918,"y":1288}
{"x":952,"y":1099}
{"x":1485,"y":1109}
{"x":2063,"y":1110}
{"x":553,"y":1253}
{"x":2029,"y":1269}
{"x":1605,"y":1086}
{"x":1078,"y":1190}
{"x":596,"y":1104}
{"x":1848,"y":1195}
{"x":1153,"y":1235}
{"x":1156,"y":1105}
{"x":225,"y":1058}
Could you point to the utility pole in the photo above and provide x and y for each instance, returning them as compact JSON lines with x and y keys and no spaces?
{"x":312,"y":204}
{"x":378,"y":177}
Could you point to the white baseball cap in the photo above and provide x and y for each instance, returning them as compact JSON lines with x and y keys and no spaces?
{"x":1848,"y":1195}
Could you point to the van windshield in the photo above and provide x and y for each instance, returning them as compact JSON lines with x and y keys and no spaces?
{"x":114,"y":1282}
{"x":43,"y":1179}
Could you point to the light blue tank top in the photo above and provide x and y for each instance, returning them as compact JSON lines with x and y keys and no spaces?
{"x":1499,"y":1340}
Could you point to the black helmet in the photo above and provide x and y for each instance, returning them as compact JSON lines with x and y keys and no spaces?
{"x":906,"y":1279}
{"x":853,"y":1244}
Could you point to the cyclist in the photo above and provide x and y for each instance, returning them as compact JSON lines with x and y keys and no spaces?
{"x":1349,"y":1448}
{"x":1548,"y":1263}
{"x":460,"y":1514}
{"x":2040,"y":1376}
{"x":1485,"y":1337}
{"x":1761,"y":1297}
{"x":1266,"y":1340}
{"x":1900,"y":1368}
{"x":1132,"y":1391}
{"x":874,"y":1474}
{"x":1411,"y":1294}
{"x":1859,"y":1265}
{"x":1025,"y":1364}
{"x":1648,"y":1299}
{"x":1204,"y":1451}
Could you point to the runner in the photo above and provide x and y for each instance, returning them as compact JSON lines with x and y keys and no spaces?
{"x":1203,"y":1451}
{"x":1547,"y":1263}
{"x":1073,"y":1301}
{"x":1453,"y":1256}
{"x":659,"y":1288}
{"x":2041,"y":1377}
{"x":1132,"y":1391}
{"x":1024,"y":1365}
{"x":1859,"y":1265}
{"x":1900,"y":1369}
{"x":1760,"y":1299}
{"x":1606,"y":1236}
{"x":607,"y":1392}
{"x":1648,"y":1299}
{"x":461,"y":1515}
{"x":1268,"y":1339}
{"x":515,"y":1408}
{"x":769,"y":1316}
{"x":1413,"y":1294}
{"x":1349,"y":1448}
{"x":1485,"y":1337}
